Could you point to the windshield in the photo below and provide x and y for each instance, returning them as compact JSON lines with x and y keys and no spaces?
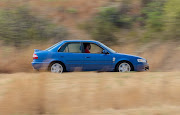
{"x":112,"y":51}
{"x":53,"y":46}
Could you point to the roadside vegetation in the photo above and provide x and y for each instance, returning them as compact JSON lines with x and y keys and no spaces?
{"x":20,"y":27}
{"x":156,"y":19}
{"x":115,"y":22}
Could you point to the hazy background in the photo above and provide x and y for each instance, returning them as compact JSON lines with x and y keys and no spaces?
{"x":147,"y":28}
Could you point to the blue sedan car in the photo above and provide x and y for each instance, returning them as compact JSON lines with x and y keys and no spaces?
{"x":85,"y":55}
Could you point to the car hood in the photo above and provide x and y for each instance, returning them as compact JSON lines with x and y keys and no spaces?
{"x":128,"y":55}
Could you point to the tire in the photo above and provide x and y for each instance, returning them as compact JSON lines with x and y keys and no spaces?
{"x":124,"y":67}
{"x":56,"y":67}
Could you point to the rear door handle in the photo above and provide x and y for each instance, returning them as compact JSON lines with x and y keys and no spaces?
{"x":87,"y":57}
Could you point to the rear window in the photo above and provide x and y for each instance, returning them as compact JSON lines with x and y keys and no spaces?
{"x":48,"y":49}
{"x":71,"y":48}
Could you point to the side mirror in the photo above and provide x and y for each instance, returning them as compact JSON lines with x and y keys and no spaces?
{"x":104,"y":52}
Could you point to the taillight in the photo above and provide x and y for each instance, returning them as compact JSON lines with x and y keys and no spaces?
{"x":35,"y":56}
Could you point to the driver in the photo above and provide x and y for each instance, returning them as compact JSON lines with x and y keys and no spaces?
{"x":87,"y":47}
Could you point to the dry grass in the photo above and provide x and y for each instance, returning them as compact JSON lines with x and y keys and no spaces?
{"x":89,"y":93}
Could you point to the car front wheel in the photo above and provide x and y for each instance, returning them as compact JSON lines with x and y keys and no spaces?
{"x":56,"y":68}
{"x":123,"y":67}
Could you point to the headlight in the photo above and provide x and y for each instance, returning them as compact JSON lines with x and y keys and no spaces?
{"x":141,"y":60}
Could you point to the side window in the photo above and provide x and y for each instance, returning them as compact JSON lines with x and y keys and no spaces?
{"x":71,"y":48}
{"x":96,"y":49}
{"x":92,"y":48}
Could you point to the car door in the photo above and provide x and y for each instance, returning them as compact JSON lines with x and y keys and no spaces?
{"x":72,"y":56}
{"x":96,"y":60}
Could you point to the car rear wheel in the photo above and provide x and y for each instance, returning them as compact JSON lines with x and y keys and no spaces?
{"x":124,"y":67}
{"x":56,"y":68}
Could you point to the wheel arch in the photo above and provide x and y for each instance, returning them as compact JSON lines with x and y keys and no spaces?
{"x":56,"y":61}
{"x":127,"y":61}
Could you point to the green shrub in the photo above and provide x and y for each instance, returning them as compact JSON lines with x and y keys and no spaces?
{"x":20,"y":27}
{"x":115,"y":16}
{"x":157,"y":19}
{"x":104,"y":32}
{"x":172,"y":19}
{"x":106,"y":23}
{"x":72,"y":10}
{"x":154,"y":16}
{"x":162,"y":19}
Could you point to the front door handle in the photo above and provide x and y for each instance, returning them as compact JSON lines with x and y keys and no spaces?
{"x":87,"y":57}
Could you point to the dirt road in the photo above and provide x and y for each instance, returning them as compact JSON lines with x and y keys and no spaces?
{"x":90,"y":93}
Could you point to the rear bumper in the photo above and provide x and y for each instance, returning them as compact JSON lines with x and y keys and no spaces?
{"x":40,"y":65}
{"x":142,"y":67}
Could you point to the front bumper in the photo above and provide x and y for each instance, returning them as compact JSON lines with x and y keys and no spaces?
{"x":142,"y":67}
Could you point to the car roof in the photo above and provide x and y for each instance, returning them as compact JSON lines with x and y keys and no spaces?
{"x":79,"y":41}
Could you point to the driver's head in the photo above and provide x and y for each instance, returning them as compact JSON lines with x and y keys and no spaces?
{"x":87,"y":46}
